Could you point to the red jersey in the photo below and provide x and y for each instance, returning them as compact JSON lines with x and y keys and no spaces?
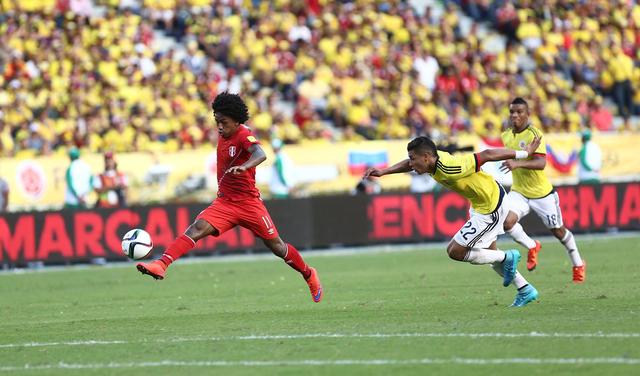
{"x":234,"y":151}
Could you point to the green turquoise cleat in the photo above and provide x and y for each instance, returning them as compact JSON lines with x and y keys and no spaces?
{"x":524,"y":296}
{"x":510,"y":266}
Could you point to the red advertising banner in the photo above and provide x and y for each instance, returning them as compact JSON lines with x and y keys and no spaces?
{"x":600,"y":207}
{"x":78,"y":236}
{"x":72,"y":236}
{"x":419,"y":216}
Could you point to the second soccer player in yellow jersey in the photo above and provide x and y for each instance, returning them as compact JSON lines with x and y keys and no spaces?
{"x":532,"y":190}
{"x":476,"y":241}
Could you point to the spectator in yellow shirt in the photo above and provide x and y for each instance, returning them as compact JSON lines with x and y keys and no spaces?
{"x":621,"y":68}
{"x":529,"y":33}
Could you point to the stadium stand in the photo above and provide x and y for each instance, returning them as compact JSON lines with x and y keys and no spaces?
{"x":596,"y":43}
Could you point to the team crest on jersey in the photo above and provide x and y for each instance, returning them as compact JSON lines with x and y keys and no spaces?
{"x":232,"y":151}
{"x":522,"y":145}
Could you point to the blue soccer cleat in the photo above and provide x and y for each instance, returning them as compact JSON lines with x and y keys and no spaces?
{"x":510,"y":266}
{"x":524,"y":296}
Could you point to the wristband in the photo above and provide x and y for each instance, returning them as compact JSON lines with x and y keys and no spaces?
{"x":521,"y":154}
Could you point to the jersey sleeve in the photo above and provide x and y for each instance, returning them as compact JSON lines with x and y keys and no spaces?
{"x":458,"y":166}
{"x":247,"y":139}
{"x":504,"y":137}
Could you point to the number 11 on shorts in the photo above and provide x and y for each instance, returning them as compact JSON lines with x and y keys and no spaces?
{"x":268,"y":224}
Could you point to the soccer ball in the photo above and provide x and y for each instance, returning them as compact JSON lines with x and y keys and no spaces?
{"x":137,"y":244}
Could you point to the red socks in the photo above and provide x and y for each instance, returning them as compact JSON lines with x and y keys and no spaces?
{"x":184,"y":244}
{"x":294,"y":260}
{"x":179,"y":247}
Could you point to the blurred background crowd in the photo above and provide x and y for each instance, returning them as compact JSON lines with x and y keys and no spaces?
{"x":127,"y":75}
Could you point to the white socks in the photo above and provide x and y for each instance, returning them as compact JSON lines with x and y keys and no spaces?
{"x":518,"y":280}
{"x":482,"y":256}
{"x":569,"y":243}
{"x":521,"y":237}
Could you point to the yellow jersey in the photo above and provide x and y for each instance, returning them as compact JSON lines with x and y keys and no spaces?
{"x":527,"y":182}
{"x":461,"y":173}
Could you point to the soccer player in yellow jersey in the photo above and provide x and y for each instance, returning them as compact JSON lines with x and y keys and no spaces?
{"x":532,"y":190}
{"x":476,"y":241}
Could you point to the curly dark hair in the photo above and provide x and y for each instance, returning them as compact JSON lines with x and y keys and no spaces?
{"x":231,"y":105}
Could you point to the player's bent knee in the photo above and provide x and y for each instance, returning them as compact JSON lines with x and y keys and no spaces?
{"x":559,"y":232}
{"x":510,"y":221}
{"x":508,"y":226}
{"x":199,"y":229}
{"x":456,"y":252}
{"x":277,"y":246}
{"x":457,"y":255}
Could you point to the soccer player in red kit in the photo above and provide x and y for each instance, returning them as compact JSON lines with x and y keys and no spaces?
{"x":238,"y":202}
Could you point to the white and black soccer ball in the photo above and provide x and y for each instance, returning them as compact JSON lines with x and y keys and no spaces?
{"x":137,"y":244}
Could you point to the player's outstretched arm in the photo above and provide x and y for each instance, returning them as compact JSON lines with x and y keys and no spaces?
{"x":257,"y":156}
{"x":537,"y":162}
{"x":505,"y":154}
{"x":396,"y":168}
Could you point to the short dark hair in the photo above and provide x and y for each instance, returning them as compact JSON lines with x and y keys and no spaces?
{"x":231,"y":105}
{"x":520,"y":100}
{"x":422,"y":144}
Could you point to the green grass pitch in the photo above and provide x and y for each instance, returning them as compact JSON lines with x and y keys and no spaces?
{"x":407,"y":312}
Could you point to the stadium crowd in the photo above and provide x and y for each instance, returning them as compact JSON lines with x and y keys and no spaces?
{"x":592,"y":42}
{"x":313,"y":70}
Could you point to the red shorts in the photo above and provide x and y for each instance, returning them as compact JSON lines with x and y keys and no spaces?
{"x":224,"y":215}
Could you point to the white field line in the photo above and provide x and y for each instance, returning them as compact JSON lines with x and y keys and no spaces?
{"x":337,"y":362}
{"x":267,"y":337}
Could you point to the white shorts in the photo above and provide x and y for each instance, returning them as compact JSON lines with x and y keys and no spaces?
{"x":547,"y":207}
{"x":481,"y":230}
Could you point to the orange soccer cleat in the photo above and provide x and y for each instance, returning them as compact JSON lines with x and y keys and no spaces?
{"x":156,"y":268}
{"x":532,"y":256}
{"x":315,"y":286}
{"x":580,"y":272}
